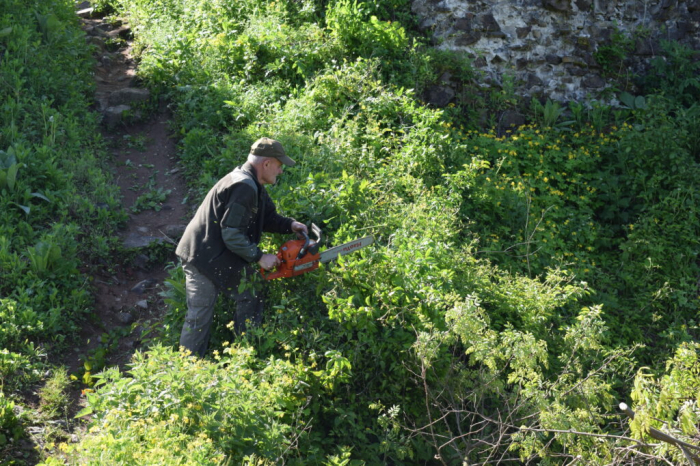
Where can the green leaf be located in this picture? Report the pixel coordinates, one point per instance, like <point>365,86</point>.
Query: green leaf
<point>12,176</point>
<point>6,31</point>
<point>23,207</point>
<point>41,196</point>
<point>627,99</point>
<point>640,102</point>
<point>84,412</point>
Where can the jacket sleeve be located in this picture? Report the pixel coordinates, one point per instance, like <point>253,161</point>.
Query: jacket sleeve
<point>239,213</point>
<point>274,222</point>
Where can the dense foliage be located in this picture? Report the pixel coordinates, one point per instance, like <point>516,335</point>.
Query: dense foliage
<point>57,205</point>
<point>520,286</point>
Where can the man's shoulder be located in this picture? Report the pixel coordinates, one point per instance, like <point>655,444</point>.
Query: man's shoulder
<point>237,179</point>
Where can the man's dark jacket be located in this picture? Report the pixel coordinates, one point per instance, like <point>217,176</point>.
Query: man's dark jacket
<point>222,238</point>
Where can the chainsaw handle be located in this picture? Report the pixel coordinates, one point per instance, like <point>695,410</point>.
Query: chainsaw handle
<point>307,241</point>
<point>316,231</point>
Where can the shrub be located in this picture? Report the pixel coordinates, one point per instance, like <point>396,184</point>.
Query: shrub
<point>675,73</point>
<point>10,425</point>
<point>170,402</point>
<point>669,402</point>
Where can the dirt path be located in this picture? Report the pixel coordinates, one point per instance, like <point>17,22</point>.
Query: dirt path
<point>143,160</point>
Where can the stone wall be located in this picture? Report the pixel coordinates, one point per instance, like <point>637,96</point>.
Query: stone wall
<point>548,46</point>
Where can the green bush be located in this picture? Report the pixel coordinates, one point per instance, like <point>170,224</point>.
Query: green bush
<point>173,408</point>
<point>614,208</point>
<point>669,402</point>
<point>675,73</point>
<point>11,428</point>
<point>359,33</point>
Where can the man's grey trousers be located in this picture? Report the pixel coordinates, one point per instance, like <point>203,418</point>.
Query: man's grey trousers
<point>201,298</point>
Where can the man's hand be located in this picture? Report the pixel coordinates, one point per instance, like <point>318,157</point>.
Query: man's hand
<point>269,261</point>
<point>298,228</point>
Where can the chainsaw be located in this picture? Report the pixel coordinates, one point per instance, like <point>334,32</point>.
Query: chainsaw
<point>299,256</point>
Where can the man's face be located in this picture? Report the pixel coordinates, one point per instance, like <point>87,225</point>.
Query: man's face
<point>272,168</point>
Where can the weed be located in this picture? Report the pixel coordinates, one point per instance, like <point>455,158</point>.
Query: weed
<point>54,397</point>
<point>8,170</point>
<point>152,199</point>
<point>675,73</point>
<point>113,44</point>
<point>611,56</point>
<point>96,359</point>
<point>11,428</point>
<point>138,142</point>
<point>548,115</point>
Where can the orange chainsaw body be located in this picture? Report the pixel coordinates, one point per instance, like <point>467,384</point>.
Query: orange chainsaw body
<point>298,256</point>
<point>290,260</point>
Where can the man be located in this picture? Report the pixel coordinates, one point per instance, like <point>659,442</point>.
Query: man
<point>220,245</point>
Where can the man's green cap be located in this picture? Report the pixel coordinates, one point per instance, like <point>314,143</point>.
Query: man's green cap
<point>266,147</point>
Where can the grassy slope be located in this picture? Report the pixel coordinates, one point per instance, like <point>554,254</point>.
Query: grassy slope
<point>472,304</point>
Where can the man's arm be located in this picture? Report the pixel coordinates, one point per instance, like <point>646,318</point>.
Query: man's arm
<point>238,243</point>
<point>236,218</point>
